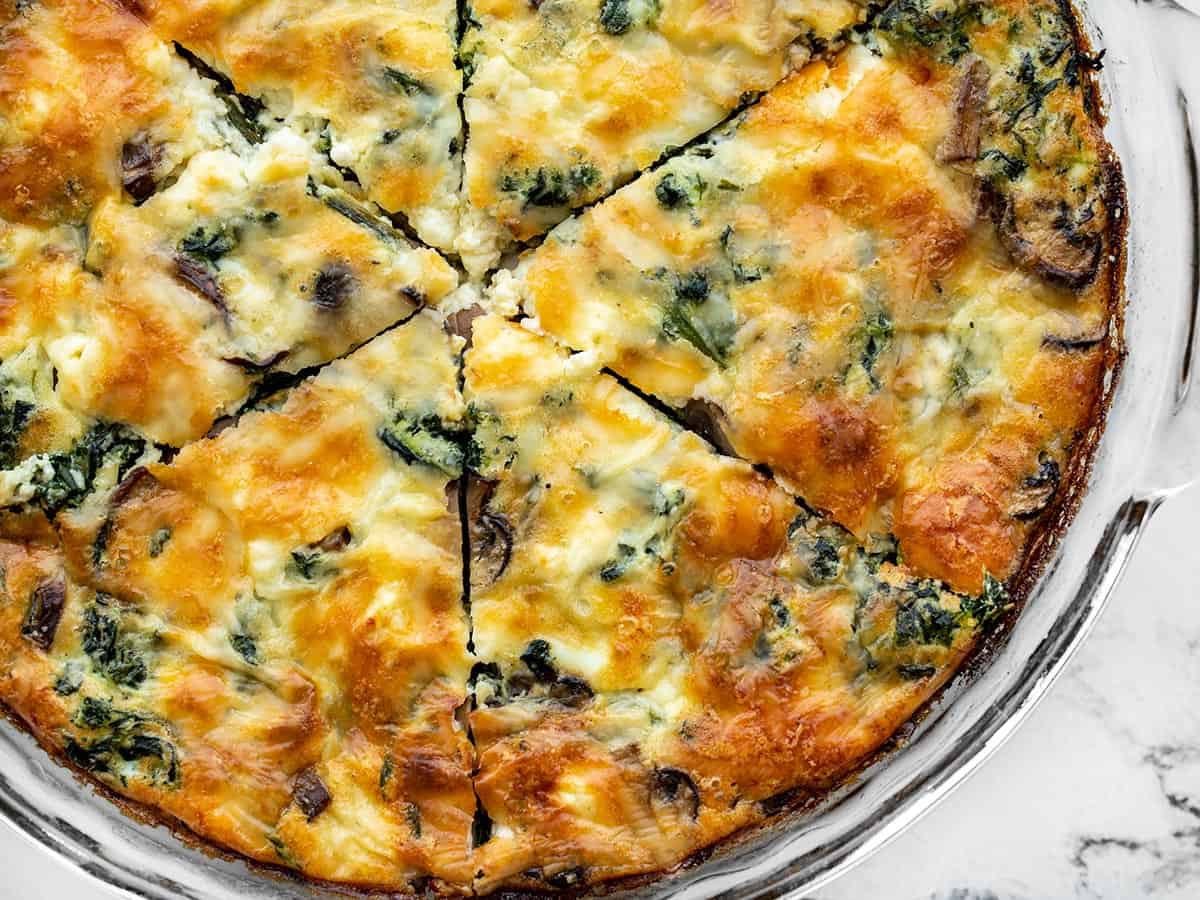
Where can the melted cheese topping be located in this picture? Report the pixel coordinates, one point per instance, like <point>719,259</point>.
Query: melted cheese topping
<point>568,99</point>
<point>374,83</point>
<point>174,309</point>
<point>279,603</point>
<point>816,273</point>
<point>360,568</point>
<point>673,641</point>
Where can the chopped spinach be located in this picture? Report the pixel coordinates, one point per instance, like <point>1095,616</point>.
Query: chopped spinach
<point>694,314</point>
<point>309,564</point>
<point>118,653</point>
<point>212,242</point>
<point>988,605</point>
<point>401,82</point>
<point>617,566</point>
<point>425,439</point>
<point>743,271</point>
<point>873,338</point>
<point>619,16</point>
<point>489,447</point>
<point>817,546</point>
<point>69,680</point>
<point>72,474</point>
<point>674,191</point>
<point>943,27</point>
<point>1011,167</point>
<point>245,646</point>
<point>14,419</point>
<point>923,620</point>
<point>549,187</point>
<point>358,213</point>
<point>131,744</point>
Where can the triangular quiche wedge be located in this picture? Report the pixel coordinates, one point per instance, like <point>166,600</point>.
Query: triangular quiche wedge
<point>374,84</point>
<point>265,637</point>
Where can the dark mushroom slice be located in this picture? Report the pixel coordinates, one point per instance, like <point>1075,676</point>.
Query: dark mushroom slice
<point>460,322</point>
<point>1077,343</point>
<point>707,420</point>
<point>1042,240</point>
<point>138,477</point>
<point>197,276</point>
<point>961,143</point>
<point>139,161</point>
<point>571,690</point>
<point>310,793</point>
<point>257,365</point>
<point>220,424</point>
<point>491,537</point>
<point>1035,491</point>
<point>336,540</point>
<point>334,285</point>
<point>672,785</point>
<point>46,604</point>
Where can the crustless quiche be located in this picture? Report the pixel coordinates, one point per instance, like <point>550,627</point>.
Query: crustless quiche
<point>517,445</point>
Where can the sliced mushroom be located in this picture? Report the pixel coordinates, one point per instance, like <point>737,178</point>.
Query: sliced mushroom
<point>196,276</point>
<point>1035,491</point>
<point>571,690</point>
<point>138,477</point>
<point>310,793</point>
<point>676,786</point>
<point>460,322</point>
<point>45,610</point>
<point>567,878</point>
<point>961,143</point>
<point>338,539</point>
<point>333,286</point>
<point>1076,343</point>
<point>139,160</point>
<point>257,365</point>
<point>708,420</point>
<point>490,534</point>
<point>1042,240</point>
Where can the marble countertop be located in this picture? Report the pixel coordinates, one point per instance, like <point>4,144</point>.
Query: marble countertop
<point>1096,797</point>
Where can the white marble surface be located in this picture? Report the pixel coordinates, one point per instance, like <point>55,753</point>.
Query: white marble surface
<point>1097,796</point>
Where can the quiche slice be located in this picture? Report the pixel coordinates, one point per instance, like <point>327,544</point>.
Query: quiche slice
<point>265,638</point>
<point>848,287</point>
<point>567,99</point>
<point>373,83</point>
<point>669,645</point>
<point>163,317</point>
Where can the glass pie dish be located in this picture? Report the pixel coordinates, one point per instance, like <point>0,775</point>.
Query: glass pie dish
<point>1150,449</point>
